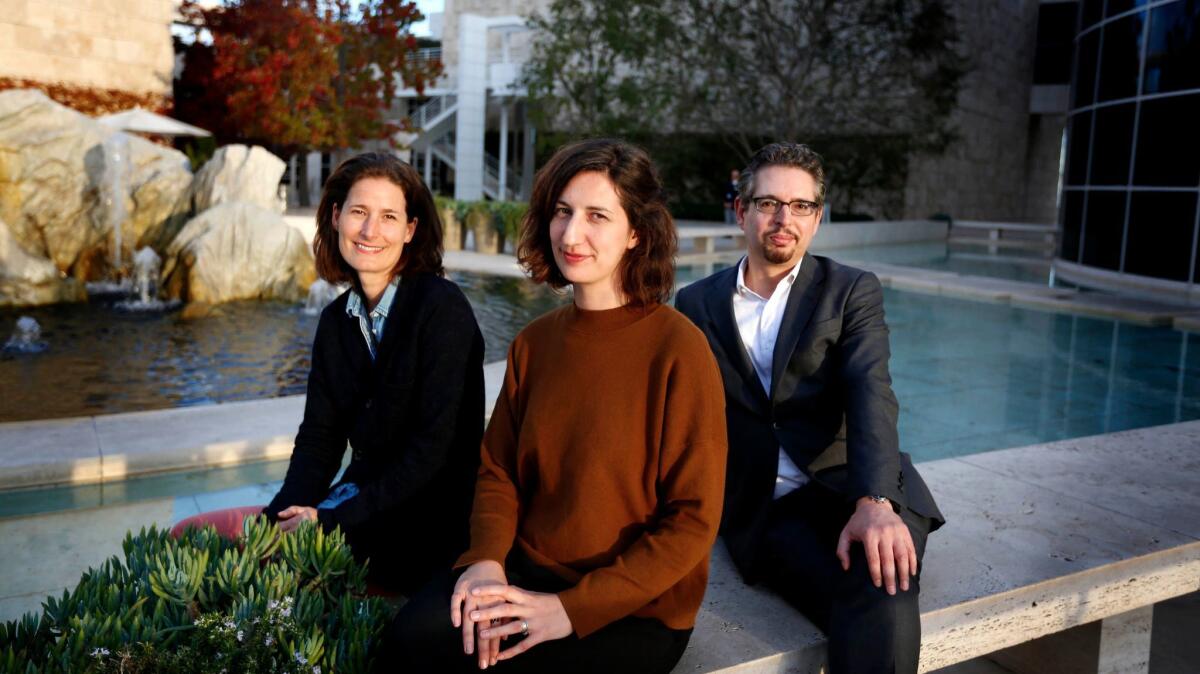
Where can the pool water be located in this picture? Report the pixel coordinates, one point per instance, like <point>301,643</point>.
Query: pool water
<point>103,361</point>
<point>970,377</point>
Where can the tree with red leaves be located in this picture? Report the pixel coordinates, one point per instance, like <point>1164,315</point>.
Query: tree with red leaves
<point>299,75</point>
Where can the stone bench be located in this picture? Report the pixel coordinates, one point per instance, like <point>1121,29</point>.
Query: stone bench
<point>1039,540</point>
<point>704,237</point>
<point>1000,235</point>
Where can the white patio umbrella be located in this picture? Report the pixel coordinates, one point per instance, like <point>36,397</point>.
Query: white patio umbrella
<point>144,121</point>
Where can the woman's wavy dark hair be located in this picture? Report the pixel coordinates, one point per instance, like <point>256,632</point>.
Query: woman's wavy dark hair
<point>647,271</point>
<point>422,254</point>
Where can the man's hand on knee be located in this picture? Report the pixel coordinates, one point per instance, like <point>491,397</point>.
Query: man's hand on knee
<point>886,541</point>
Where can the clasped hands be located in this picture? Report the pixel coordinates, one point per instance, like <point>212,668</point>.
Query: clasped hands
<point>891,555</point>
<point>489,610</point>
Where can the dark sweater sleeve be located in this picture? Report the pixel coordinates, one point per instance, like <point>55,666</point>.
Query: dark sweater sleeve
<point>450,354</point>
<point>321,440</point>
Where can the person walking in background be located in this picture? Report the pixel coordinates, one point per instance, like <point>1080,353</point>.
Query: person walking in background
<point>819,503</point>
<point>599,490</point>
<point>730,197</point>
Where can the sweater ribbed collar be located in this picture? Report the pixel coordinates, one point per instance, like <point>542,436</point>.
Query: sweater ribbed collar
<point>606,320</point>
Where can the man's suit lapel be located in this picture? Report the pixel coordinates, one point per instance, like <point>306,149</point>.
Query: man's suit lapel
<point>720,308</point>
<point>796,316</point>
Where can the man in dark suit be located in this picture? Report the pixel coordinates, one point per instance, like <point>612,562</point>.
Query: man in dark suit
<point>820,504</point>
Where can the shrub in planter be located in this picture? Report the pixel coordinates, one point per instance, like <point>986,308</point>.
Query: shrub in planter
<point>507,216</point>
<point>481,222</point>
<point>452,229</point>
<point>201,603</point>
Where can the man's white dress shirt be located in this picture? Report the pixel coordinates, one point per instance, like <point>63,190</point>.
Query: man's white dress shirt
<point>758,320</point>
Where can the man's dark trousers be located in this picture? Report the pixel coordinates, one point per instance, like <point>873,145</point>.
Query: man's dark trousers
<point>869,630</point>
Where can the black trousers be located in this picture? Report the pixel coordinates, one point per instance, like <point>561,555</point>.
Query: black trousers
<point>421,638</point>
<point>869,630</point>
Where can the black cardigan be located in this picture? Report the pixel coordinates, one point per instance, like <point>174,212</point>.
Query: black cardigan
<point>413,419</point>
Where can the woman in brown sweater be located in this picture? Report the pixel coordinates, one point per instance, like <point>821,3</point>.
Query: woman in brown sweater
<point>602,469</point>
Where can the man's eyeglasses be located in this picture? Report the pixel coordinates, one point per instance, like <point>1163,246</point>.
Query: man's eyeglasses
<point>799,207</point>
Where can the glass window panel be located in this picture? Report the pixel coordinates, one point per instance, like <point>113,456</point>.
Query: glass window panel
<point>1161,226</point>
<point>1072,221</point>
<point>1168,144</point>
<point>1120,56</point>
<point>1077,148</point>
<point>1112,144</point>
<point>1085,68</point>
<point>1173,53</point>
<point>1115,7</point>
<point>1105,219</point>
<point>1091,12</point>
<point>1055,29</point>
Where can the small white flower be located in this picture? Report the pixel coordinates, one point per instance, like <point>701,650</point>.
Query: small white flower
<point>301,659</point>
<point>99,652</point>
<point>268,641</point>
<point>240,635</point>
<point>316,669</point>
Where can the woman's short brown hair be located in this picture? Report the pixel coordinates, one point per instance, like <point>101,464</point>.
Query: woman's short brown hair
<point>422,254</point>
<point>647,271</point>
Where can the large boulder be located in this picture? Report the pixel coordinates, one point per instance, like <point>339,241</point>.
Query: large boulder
<point>238,251</point>
<point>55,170</point>
<point>27,280</point>
<point>238,173</point>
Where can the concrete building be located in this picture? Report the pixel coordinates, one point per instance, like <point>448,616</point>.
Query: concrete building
<point>1010,117</point>
<point>474,126</point>
<point>91,43</point>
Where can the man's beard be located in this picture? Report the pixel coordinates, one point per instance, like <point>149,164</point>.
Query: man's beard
<point>777,254</point>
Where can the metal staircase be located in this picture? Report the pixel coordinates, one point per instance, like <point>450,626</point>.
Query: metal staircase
<point>434,124</point>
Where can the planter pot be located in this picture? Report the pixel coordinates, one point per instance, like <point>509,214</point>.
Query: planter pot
<point>487,238</point>
<point>452,231</point>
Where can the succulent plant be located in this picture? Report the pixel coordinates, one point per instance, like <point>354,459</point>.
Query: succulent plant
<point>266,602</point>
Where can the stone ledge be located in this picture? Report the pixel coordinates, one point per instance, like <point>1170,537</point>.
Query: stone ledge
<point>1025,553</point>
<point>112,447</point>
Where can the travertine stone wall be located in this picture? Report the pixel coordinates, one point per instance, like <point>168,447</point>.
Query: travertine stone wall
<point>1005,165</point>
<point>109,44</point>
<point>519,43</point>
<point>1041,168</point>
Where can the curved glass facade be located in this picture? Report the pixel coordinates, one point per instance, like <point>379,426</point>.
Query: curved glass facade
<point>1131,184</point>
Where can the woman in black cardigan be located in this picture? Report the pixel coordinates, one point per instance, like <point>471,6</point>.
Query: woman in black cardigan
<point>397,371</point>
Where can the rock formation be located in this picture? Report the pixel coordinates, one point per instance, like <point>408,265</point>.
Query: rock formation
<point>238,251</point>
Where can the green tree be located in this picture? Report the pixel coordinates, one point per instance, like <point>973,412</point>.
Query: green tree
<point>867,82</point>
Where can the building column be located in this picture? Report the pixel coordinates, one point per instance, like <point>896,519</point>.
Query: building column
<point>527,159</point>
<point>472,106</point>
<point>503,149</point>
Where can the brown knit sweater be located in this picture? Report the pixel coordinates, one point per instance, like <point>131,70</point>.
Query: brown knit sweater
<point>605,462</point>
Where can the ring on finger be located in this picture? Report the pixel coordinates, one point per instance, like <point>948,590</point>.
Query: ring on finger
<point>524,628</point>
